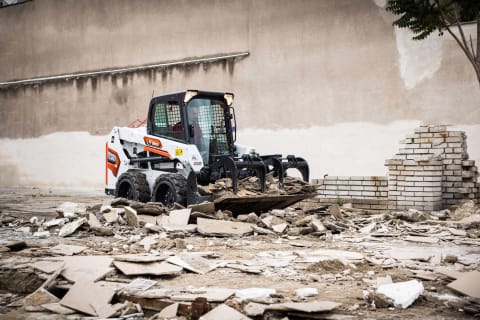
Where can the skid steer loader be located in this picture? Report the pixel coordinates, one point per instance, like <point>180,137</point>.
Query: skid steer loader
<point>189,139</point>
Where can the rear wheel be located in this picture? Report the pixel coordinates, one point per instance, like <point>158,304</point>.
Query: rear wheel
<point>133,185</point>
<point>170,188</point>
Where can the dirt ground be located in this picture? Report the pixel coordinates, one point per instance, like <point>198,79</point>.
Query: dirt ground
<point>286,262</point>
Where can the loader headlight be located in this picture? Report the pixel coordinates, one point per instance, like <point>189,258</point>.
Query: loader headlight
<point>189,94</point>
<point>111,158</point>
<point>229,98</point>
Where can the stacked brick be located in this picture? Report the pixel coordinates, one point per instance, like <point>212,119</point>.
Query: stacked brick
<point>369,193</point>
<point>431,170</point>
<point>353,187</point>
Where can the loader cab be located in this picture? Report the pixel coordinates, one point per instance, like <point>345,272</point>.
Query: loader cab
<point>195,117</point>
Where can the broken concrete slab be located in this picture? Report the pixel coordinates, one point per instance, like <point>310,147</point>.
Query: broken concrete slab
<point>39,297</point>
<point>168,312</point>
<point>55,222</point>
<point>143,218</point>
<point>244,268</point>
<point>329,254</point>
<point>112,216</point>
<point>219,228</point>
<point>279,228</point>
<point>78,268</point>
<point>422,239</point>
<point>303,293</point>
<point>254,309</point>
<point>47,266</point>
<point>67,249</point>
<point>71,227</point>
<point>153,268</point>
<point>131,216</point>
<point>224,312</point>
<point>71,209</point>
<point>305,307</point>
<point>57,308</point>
<point>254,293</point>
<point>179,217</point>
<point>204,207</point>
<point>457,232</point>
<point>449,272</point>
<point>139,258</point>
<point>214,295</point>
<point>261,230</point>
<point>93,221</point>
<point>467,283</point>
<point>317,225</point>
<point>140,284</point>
<point>368,228</point>
<point>402,294</point>
<point>409,254</point>
<point>193,262</point>
<point>102,231</point>
<point>84,294</point>
<point>148,241</point>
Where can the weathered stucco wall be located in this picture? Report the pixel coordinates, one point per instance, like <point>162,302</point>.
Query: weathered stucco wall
<point>314,66</point>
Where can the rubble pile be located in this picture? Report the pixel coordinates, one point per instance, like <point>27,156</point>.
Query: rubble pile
<point>124,259</point>
<point>251,186</point>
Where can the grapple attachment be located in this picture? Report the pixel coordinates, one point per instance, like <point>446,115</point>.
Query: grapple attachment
<point>279,166</point>
<point>259,166</point>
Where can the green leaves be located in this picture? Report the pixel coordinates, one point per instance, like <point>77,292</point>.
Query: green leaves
<point>425,16</point>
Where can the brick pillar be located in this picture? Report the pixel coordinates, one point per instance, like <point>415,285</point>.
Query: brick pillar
<point>431,170</point>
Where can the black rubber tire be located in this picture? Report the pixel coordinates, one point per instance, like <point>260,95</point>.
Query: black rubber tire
<point>170,188</point>
<point>133,185</point>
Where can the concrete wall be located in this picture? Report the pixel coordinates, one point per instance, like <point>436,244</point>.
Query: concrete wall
<point>330,66</point>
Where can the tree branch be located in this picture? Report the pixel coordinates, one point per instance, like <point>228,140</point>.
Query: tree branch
<point>462,45</point>
<point>478,37</point>
<point>473,51</point>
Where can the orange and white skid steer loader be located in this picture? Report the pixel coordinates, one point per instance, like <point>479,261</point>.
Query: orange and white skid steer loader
<point>189,139</point>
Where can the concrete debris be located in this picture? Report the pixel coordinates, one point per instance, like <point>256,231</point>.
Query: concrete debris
<point>89,298</point>
<point>179,217</point>
<point>55,222</point>
<point>37,298</point>
<point>205,207</point>
<point>169,312</point>
<point>192,262</point>
<point>310,249</point>
<point>254,309</point>
<point>41,234</point>
<point>131,216</point>
<point>67,249</point>
<point>71,227</point>
<point>224,312</point>
<point>467,284</point>
<point>303,293</point>
<point>56,307</point>
<point>402,294</point>
<point>112,215</point>
<point>152,268</point>
<point>465,210</point>
<point>140,284</point>
<point>71,210</point>
<point>217,228</point>
<point>305,307</point>
<point>214,295</point>
<point>78,268</point>
<point>254,293</point>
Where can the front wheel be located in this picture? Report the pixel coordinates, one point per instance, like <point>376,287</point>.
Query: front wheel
<point>133,185</point>
<point>170,188</point>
